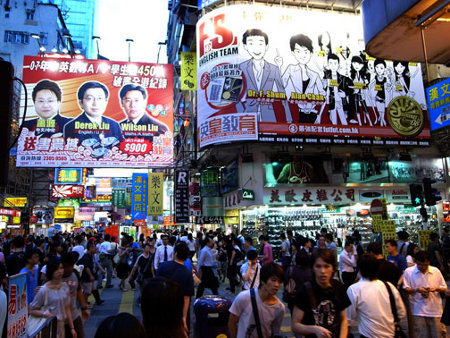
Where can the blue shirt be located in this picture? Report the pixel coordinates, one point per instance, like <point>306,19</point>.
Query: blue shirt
<point>32,282</point>
<point>399,261</point>
<point>188,264</point>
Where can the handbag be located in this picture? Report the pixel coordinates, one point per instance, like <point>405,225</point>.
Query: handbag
<point>398,333</point>
<point>116,259</point>
<point>256,316</point>
<point>35,323</point>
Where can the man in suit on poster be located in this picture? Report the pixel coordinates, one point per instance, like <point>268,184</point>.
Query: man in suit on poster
<point>138,123</point>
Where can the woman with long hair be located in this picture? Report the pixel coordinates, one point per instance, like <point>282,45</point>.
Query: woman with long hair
<point>359,76</point>
<point>53,299</point>
<point>402,78</point>
<point>162,309</point>
<point>123,267</point>
<point>319,306</point>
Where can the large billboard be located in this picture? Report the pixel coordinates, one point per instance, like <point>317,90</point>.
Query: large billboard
<point>289,75</point>
<point>95,113</point>
<point>438,96</point>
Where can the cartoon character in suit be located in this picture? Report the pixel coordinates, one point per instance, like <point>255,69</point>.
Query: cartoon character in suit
<point>47,97</point>
<point>301,78</point>
<point>260,76</point>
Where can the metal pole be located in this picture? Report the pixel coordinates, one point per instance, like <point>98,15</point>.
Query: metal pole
<point>422,33</point>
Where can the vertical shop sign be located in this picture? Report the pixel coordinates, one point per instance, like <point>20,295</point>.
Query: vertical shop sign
<point>438,97</point>
<point>17,306</point>
<point>139,196</point>
<point>424,239</point>
<point>188,71</point>
<point>118,197</point>
<point>155,194</point>
<point>182,196</point>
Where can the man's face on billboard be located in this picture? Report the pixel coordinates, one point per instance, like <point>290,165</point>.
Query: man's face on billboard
<point>46,104</point>
<point>94,102</point>
<point>256,47</point>
<point>133,104</point>
<point>301,54</point>
<point>333,65</point>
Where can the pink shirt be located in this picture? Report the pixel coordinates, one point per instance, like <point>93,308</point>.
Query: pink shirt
<point>268,253</point>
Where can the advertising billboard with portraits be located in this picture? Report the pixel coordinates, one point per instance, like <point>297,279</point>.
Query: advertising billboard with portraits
<point>96,113</point>
<point>276,74</point>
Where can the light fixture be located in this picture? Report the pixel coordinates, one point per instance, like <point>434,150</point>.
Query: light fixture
<point>160,44</point>
<point>65,50</point>
<point>129,41</point>
<point>96,38</point>
<point>77,51</point>
<point>35,36</point>
<point>54,50</point>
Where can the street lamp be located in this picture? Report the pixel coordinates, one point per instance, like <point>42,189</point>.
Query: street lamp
<point>129,41</point>
<point>37,37</point>
<point>96,38</point>
<point>160,44</point>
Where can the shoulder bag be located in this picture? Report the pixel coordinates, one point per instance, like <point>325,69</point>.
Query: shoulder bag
<point>398,330</point>
<point>140,276</point>
<point>256,316</point>
<point>35,323</point>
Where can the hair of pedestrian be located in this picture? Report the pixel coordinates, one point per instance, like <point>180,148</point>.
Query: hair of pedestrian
<point>249,240</point>
<point>181,250</point>
<point>375,248</point>
<point>410,250</point>
<point>2,272</point>
<point>69,258</point>
<point>162,308</point>
<point>392,242</point>
<point>422,256</point>
<point>30,252</point>
<point>283,236</point>
<point>326,255</point>
<point>368,266</point>
<point>329,237</point>
<point>252,254</point>
<point>90,244</point>
<point>270,270</point>
<point>108,237</point>
<point>433,236</point>
<point>347,244</point>
<point>52,266</point>
<point>302,260</point>
<point>402,235</point>
<point>122,325</point>
<point>18,242</point>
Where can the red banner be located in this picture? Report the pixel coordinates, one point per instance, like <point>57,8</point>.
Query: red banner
<point>67,191</point>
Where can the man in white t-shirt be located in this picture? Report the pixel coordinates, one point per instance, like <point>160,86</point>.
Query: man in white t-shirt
<point>105,254</point>
<point>270,309</point>
<point>251,270</point>
<point>79,247</point>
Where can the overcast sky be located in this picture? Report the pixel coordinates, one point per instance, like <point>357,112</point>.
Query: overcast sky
<point>144,21</point>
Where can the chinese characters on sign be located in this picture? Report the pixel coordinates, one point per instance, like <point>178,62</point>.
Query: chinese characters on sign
<point>67,191</point>
<point>181,196</point>
<point>302,83</point>
<point>155,194</point>
<point>17,306</point>
<point>438,96</point>
<point>188,71</point>
<point>310,195</point>
<point>69,175</point>
<point>139,194</point>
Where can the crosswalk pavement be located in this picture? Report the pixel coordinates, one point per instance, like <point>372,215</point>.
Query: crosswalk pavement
<point>117,301</point>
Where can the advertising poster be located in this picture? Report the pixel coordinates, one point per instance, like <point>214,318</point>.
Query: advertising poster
<point>96,113</point>
<point>67,191</point>
<point>70,175</point>
<point>139,195</point>
<point>188,71</point>
<point>17,306</point>
<point>155,194</point>
<point>438,96</point>
<point>182,196</point>
<point>288,75</point>
<point>64,214</point>
<point>18,202</point>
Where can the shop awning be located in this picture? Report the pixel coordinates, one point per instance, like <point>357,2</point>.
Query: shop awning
<point>393,29</point>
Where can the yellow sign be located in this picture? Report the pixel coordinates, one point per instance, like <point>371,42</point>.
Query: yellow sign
<point>64,213</point>
<point>19,202</point>
<point>155,194</point>
<point>387,232</point>
<point>424,239</point>
<point>16,220</point>
<point>377,220</point>
<point>188,71</point>
<point>405,116</point>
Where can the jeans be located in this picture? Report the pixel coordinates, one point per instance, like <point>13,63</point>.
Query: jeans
<point>107,265</point>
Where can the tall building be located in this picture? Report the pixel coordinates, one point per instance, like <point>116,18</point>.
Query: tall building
<point>79,17</point>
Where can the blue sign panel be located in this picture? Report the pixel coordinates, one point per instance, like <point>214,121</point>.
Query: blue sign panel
<point>139,195</point>
<point>438,97</point>
<point>205,3</point>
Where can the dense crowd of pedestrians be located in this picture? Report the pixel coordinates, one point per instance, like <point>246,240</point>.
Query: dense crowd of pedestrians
<point>327,294</point>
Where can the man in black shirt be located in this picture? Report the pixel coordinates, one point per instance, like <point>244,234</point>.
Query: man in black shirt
<point>177,271</point>
<point>15,261</point>
<point>387,271</point>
